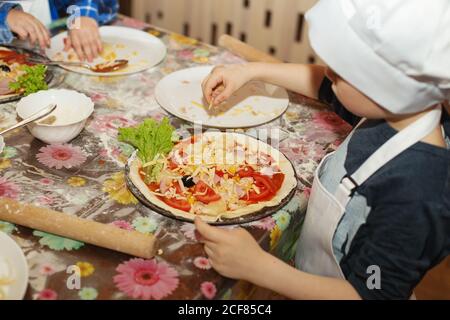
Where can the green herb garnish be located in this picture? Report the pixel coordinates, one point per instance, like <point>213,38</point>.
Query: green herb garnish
<point>153,141</point>
<point>32,81</point>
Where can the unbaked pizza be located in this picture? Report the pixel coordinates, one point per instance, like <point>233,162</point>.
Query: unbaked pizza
<point>19,76</point>
<point>216,176</point>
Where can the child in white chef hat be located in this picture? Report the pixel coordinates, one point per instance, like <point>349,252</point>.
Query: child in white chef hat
<point>29,19</point>
<point>379,214</point>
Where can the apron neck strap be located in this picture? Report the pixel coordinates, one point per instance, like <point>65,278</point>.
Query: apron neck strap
<point>388,151</point>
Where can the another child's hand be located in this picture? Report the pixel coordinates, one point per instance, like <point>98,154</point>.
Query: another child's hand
<point>28,28</point>
<point>223,81</point>
<point>85,39</point>
<point>232,253</point>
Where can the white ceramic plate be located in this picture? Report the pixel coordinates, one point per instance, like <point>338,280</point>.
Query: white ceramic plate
<point>141,49</point>
<point>12,257</point>
<point>180,94</point>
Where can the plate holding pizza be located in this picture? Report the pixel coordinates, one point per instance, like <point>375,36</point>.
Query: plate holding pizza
<point>224,178</point>
<point>18,76</point>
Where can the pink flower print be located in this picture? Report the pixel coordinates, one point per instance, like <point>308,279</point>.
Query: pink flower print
<point>46,269</point>
<point>47,181</point>
<point>208,289</point>
<point>265,224</point>
<point>146,279</point>
<point>110,124</point>
<point>329,120</point>
<point>202,263</point>
<point>45,200</point>
<point>8,189</point>
<point>185,54</point>
<point>122,225</point>
<point>97,97</point>
<point>61,156</point>
<point>188,230</point>
<point>47,294</point>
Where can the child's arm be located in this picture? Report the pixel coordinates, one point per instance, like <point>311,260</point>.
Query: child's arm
<point>6,35</point>
<point>103,12</point>
<point>84,36</point>
<point>13,19</point>
<point>225,80</point>
<point>235,254</point>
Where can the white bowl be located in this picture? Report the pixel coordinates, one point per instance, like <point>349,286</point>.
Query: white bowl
<point>72,111</point>
<point>15,260</point>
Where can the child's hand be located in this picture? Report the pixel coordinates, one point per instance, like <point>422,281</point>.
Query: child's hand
<point>85,40</point>
<point>28,27</point>
<point>232,253</point>
<point>223,81</point>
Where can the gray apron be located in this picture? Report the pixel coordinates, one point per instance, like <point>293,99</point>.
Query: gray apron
<point>325,210</point>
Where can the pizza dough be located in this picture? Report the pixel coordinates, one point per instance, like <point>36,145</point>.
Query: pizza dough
<point>289,183</point>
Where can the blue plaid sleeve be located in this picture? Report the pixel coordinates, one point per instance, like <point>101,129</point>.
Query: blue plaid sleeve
<point>6,35</point>
<point>103,11</point>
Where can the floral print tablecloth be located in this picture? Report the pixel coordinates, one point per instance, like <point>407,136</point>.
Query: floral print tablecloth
<point>86,178</point>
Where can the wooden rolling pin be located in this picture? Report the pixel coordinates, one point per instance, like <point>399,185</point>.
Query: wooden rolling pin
<point>103,235</point>
<point>245,51</point>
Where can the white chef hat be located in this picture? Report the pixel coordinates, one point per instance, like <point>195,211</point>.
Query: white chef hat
<point>397,52</point>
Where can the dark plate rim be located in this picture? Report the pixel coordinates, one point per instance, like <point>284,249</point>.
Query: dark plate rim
<point>48,75</point>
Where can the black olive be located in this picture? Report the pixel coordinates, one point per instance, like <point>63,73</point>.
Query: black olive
<point>188,181</point>
<point>5,68</point>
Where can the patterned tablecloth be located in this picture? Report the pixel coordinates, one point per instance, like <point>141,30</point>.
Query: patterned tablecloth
<point>86,178</point>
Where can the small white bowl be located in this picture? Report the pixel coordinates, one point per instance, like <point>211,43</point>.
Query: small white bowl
<point>72,111</point>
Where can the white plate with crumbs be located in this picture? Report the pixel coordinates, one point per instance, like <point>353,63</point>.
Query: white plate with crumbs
<point>13,269</point>
<point>180,93</point>
<point>142,50</point>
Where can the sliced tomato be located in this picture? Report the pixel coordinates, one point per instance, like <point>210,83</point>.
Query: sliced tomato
<point>246,172</point>
<point>277,180</point>
<point>266,187</point>
<point>172,165</point>
<point>176,185</point>
<point>220,173</point>
<point>204,193</point>
<point>254,197</point>
<point>153,186</point>
<point>265,181</point>
<point>179,204</point>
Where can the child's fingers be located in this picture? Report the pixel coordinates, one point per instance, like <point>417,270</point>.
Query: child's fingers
<point>21,32</point>
<point>32,35</point>
<point>88,50</point>
<point>46,35</point>
<point>76,44</point>
<point>211,234</point>
<point>209,252</point>
<point>212,84</point>
<point>96,45</point>
<point>98,41</point>
<point>40,35</point>
<point>224,94</point>
<point>67,44</point>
